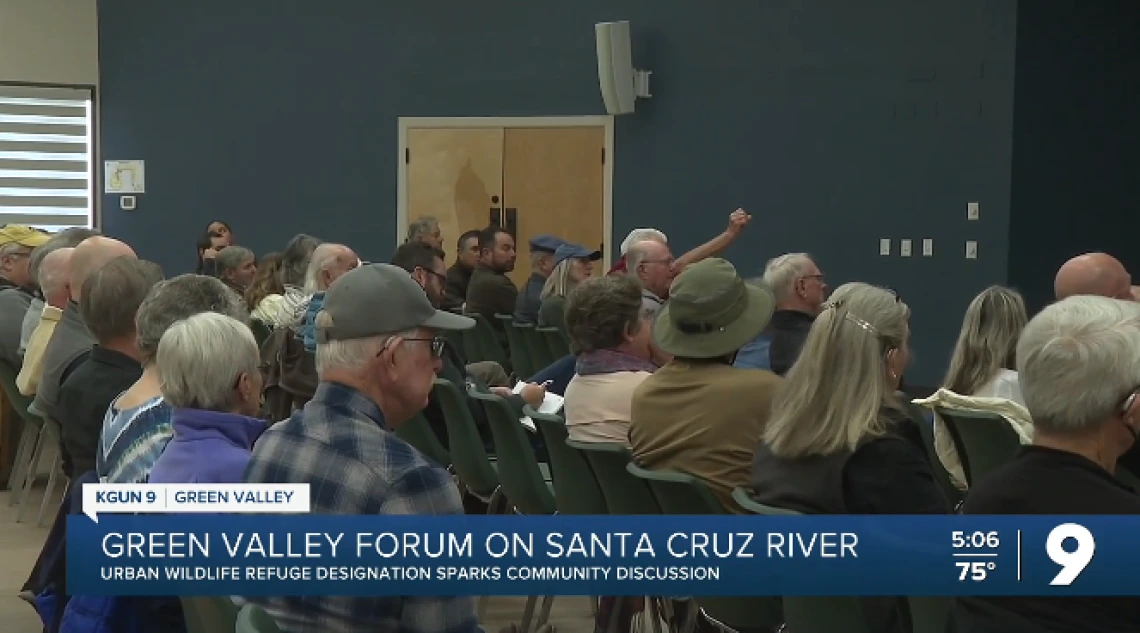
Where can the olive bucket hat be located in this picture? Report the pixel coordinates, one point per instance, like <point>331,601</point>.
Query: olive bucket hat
<point>711,312</point>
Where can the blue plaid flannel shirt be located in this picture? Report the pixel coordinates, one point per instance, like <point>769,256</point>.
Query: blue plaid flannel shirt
<point>339,445</point>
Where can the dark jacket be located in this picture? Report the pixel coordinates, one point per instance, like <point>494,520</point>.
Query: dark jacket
<point>529,302</point>
<point>83,400</point>
<point>490,293</point>
<point>553,313</point>
<point>209,447</point>
<point>455,292</point>
<point>789,330</point>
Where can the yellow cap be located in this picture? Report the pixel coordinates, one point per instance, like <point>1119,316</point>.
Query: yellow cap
<point>22,235</point>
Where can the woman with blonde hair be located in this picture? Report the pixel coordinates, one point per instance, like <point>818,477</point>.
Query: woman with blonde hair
<point>572,265</point>
<point>838,441</point>
<point>838,421</point>
<point>983,375</point>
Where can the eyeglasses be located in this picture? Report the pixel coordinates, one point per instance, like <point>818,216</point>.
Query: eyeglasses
<point>437,344</point>
<point>438,276</point>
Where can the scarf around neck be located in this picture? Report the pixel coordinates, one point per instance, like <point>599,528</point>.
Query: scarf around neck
<point>608,361</point>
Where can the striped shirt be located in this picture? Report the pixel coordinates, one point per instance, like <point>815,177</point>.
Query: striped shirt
<point>340,445</point>
<point>131,441</point>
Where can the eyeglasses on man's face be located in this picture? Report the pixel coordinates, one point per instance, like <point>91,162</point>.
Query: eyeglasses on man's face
<point>437,344</point>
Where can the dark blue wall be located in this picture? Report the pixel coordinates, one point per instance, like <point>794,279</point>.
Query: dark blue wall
<point>1076,156</point>
<point>835,124</point>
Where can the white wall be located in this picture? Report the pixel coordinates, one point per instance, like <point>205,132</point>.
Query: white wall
<point>49,41</point>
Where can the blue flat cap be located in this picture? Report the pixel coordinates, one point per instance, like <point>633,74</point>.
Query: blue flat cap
<point>575,251</point>
<point>546,243</point>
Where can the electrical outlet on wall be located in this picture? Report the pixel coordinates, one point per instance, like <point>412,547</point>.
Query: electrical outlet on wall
<point>927,247</point>
<point>904,248</point>
<point>885,246</point>
<point>971,249</point>
<point>972,211</point>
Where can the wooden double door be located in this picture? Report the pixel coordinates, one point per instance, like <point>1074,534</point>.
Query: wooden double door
<point>530,180</point>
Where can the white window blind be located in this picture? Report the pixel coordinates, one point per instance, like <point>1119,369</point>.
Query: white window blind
<point>46,160</point>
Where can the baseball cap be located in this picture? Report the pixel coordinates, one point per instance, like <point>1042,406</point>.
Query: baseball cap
<point>379,299</point>
<point>22,235</point>
<point>546,243</point>
<point>575,251</point>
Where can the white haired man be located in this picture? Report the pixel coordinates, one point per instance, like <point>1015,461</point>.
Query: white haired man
<point>378,350</point>
<point>329,262</point>
<point>737,220</point>
<point>800,291</point>
<point>1078,364</point>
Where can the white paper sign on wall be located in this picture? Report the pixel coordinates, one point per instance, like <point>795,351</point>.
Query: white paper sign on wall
<point>124,177</point>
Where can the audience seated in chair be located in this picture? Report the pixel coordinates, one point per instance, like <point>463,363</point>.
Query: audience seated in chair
<point>111,298</point>
<point>459,275</point>
<point>237,266</point>
<point>982,375</point>
<point>51,264</point>
<point>737,220</point>
<point>800,291</point>
<point>838,441</point>
<point>17,285</point>
<point>572,265</point>
<point>284,310</point>
<point>1078,364</point>
<point>328,263</point>
<point>710,315</point>
<point>610,333</point>
<point>378,348</point>
<point>529,301</point>
<point>207,370</point>
<point>491,291</point>
<point>426,268</point>
<point>136,427</point>
<point>71,341</point>
<point>265,283</point>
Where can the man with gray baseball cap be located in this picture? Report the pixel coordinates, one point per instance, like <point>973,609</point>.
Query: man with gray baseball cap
<point>377,354</point>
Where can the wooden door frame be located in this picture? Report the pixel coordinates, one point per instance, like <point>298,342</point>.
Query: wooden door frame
<point>605,122</point>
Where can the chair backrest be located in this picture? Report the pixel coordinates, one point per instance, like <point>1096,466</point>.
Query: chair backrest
<point>519,473</point>
<point>536,344</point>
<point>520,354</point>
<point>486,342</point>
<point>926,429</point>
<point>19,401</point>
<point>677,492</point>
<point>824,615</point>
<point>983,441</point>
<point>419,433</point>
<point>744,499</point>
<point>624,493</point>
<point>929,614</point>
<point>576,489</point>
<point>555,341</point>
<point>467,453</point>
<point>254,619</point>
<point>208,614</point>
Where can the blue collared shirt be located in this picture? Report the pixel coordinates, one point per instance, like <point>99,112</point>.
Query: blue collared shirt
<point>340,445</point>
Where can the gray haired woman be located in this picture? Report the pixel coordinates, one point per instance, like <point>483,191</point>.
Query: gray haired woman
<point>207,367</point>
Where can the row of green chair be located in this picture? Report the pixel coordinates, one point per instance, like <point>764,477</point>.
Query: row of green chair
<point>218,614</point>
<point>533,348</point>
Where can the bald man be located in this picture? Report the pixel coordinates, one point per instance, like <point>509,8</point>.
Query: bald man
<point>71,342</point>
<point>1096,274</point>
<point>54,279</point>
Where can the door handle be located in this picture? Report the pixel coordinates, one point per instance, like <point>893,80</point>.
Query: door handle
<point>511,221</point>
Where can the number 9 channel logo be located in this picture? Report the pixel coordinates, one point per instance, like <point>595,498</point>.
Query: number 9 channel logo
<point>1072,562</point>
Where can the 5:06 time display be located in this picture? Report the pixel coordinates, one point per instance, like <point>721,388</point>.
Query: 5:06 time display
<point>975,540</point>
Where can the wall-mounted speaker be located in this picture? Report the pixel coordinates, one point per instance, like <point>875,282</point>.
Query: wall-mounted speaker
<point>621,84</point>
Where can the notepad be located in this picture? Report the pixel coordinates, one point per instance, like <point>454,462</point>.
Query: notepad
<point>551,404</point>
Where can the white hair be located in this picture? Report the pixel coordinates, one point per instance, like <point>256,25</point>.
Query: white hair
<point>323,257</point>
<point>1077,361</point>
<point>201,358</point>
<point>642,235</point>
<point>782,272</point>
<point>349,353</point>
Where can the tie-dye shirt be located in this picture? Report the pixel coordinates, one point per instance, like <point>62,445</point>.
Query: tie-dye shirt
<point>131,441</point>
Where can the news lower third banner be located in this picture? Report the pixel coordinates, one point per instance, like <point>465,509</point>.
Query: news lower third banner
<point>306,554</point>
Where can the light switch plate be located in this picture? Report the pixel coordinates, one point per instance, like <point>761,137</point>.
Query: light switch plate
<point>904,248</point>
<point>885,246</point>
<point>972,211</point>
<point>971,249</point>
<point>928,247</point>
<point>127,203</point>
